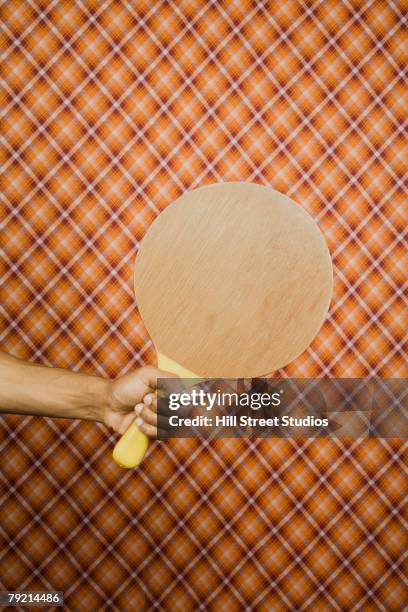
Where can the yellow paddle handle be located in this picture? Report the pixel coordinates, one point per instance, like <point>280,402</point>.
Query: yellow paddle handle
<point>132,446</point>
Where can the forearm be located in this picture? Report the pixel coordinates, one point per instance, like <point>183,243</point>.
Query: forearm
<point>27,388</point>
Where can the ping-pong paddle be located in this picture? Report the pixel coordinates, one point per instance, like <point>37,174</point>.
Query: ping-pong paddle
<point>232,280</point>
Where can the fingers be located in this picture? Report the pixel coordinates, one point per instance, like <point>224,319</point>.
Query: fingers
<point>146,414</point>
<point>125,422</point>
<point>148,421</point>
<point>138,386</point>
<point>146,428</point>
<point>150,400</point>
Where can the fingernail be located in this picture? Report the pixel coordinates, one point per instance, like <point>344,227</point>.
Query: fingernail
<point>148,399</point>
<point>139,408</point>
<point>138,422</point>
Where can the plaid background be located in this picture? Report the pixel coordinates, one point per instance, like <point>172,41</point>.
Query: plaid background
<point>111,109</point>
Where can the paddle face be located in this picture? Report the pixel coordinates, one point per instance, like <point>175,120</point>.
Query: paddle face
<point>232,280</point>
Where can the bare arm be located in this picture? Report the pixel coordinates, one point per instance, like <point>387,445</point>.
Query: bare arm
<point>27,388</point>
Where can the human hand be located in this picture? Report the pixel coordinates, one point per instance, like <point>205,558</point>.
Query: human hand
<point>132,397</point>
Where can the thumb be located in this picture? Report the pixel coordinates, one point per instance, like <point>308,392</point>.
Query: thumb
<point>126,422</point>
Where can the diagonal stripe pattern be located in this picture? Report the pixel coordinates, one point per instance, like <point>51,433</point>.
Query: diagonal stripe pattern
<point>110,110</point>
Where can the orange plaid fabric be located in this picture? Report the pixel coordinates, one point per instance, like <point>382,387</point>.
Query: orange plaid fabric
<point>111,109</point>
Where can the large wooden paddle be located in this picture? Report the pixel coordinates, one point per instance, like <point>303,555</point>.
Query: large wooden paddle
<point>232,280</point>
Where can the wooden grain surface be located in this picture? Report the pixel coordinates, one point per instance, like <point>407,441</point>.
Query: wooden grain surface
<point>233,280</point>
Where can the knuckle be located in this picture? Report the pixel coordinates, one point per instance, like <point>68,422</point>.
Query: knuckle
<point>149,369</point>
